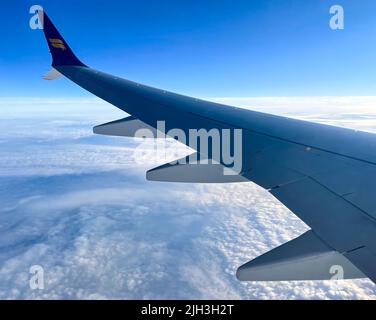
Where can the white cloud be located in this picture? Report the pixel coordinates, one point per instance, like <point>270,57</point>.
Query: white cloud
<point>330,105</point>
<point>80,206</point>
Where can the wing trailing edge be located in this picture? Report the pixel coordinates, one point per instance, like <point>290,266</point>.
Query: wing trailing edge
<point>304,258</point>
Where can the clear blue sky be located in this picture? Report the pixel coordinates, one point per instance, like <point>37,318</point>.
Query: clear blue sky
<point>203,48</point>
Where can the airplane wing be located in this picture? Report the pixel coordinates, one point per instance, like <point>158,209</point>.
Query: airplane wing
<point>324,174</point>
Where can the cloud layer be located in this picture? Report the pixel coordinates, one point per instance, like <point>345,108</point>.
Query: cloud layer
<point>79,206</point>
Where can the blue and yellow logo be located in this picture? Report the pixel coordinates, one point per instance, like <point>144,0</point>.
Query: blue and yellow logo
<point>57,43</point>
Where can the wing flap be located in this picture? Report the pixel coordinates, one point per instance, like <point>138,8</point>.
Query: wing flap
<point>128,127</point>
<point>342,225</point>
<point>304,258</point>
<point>365,260</point>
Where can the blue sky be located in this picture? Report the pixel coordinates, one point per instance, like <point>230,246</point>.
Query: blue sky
<point>202,48</point>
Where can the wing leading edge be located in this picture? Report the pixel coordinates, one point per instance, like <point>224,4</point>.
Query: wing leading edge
<point>323,174</point>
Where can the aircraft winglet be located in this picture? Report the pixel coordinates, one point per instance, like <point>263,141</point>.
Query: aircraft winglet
<point>62,55</point>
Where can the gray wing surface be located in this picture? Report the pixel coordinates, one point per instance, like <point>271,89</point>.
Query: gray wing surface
<point>325,175</point>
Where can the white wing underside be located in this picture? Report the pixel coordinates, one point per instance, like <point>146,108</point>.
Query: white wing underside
<point>52,75</point>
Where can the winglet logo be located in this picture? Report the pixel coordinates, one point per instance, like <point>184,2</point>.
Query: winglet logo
<point>57,43</point>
